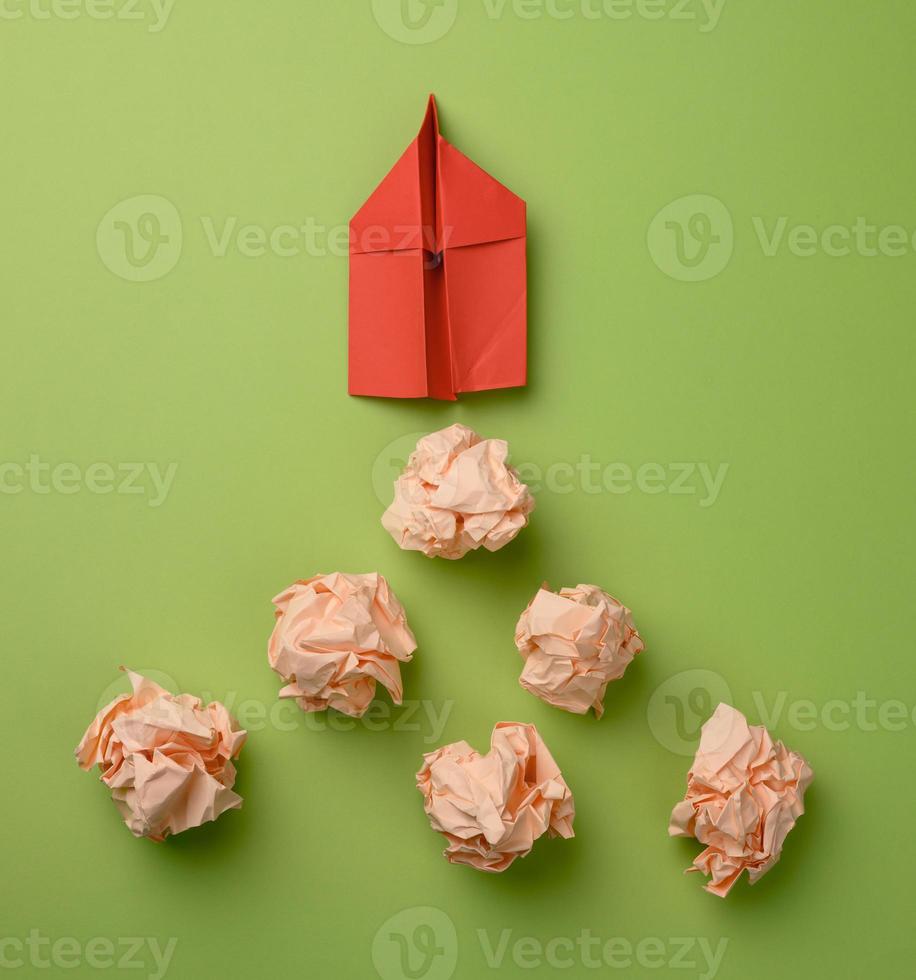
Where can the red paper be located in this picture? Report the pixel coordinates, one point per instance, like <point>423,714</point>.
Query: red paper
<point>438,294</point>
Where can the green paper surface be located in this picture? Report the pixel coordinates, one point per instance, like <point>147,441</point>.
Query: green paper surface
<point>718,425</point>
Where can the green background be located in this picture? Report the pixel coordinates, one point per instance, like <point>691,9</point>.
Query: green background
<point>795,371</point>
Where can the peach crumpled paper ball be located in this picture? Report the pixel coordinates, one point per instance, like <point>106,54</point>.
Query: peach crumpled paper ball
<point>166,758</point>
<point>492,808</point>
<point>575,643</point>
<point>457,494</point>
<point>744,794</point>
<point>335,636</point>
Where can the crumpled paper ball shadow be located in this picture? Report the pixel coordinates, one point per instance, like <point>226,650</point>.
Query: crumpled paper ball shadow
<point>492,808</point>
<point>744,794</point>
<point>336,636</point>
<point>166,758</point>
<point>457,494</point>
<point>574,644</point>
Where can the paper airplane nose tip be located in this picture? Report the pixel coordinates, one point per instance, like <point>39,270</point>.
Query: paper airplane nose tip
<point>432,112</point>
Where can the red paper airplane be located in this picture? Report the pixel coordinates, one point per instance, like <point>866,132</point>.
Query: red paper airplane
<point>438,295</point>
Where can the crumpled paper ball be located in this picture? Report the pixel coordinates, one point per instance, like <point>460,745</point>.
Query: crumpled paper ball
<point>457,494</point>
<point>492,808</point>
<point>335,636</point>
<point>166,758</point>
<point>574,644</point>
<point>744,794</point>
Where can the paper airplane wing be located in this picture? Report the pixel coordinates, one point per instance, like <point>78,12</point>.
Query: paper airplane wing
<point>387,318</point>
<point>485,274</point>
